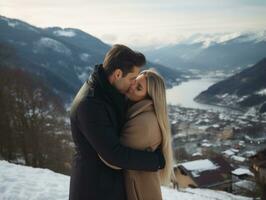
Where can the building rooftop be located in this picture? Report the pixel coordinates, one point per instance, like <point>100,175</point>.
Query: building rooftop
<point>208,172</point>
<point>242,171</point>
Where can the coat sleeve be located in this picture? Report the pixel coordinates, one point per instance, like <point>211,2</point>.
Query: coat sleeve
<point>95,124</point>
<point>109,165</point>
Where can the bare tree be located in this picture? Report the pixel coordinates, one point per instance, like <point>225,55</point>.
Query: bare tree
<point>33,123</point>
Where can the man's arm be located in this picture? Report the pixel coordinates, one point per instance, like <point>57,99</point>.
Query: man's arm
<point>96,126</point>
<point>109,165</point>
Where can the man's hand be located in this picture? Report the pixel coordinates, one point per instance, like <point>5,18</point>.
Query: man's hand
<point>161,159</point>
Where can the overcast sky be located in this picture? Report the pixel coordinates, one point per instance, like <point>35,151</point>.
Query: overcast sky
<point>141,22</point>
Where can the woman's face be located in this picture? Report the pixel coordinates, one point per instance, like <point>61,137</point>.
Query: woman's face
<point>138,90</point>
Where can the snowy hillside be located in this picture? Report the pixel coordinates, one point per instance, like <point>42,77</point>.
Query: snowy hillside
<point>27,183</point>
<point>245,90</point>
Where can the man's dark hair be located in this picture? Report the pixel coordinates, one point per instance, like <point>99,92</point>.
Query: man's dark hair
<point>124,58</point>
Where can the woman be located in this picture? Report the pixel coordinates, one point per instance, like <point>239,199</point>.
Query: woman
<point>147,128</point>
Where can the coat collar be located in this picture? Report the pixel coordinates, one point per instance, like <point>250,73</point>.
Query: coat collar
<point>103,89</point>
<point>139,107</point>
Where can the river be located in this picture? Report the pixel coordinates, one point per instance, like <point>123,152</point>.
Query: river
<point>184,93</point>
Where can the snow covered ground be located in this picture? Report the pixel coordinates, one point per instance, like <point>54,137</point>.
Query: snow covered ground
<point>26,183</point>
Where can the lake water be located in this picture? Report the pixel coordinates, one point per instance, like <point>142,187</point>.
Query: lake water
<point>184,93</point>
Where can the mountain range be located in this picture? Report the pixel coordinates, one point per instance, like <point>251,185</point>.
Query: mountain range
<point>212,51</point>
<point>63,58</point>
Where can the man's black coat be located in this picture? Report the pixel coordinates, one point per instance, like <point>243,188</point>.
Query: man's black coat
<point>97,116</point>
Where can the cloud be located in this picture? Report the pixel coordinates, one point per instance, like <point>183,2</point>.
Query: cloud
<point>139,22</point>
<point>109,38</point>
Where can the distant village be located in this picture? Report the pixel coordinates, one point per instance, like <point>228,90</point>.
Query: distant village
<point>219,150</point>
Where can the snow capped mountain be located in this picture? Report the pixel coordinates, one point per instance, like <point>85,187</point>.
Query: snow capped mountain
<point>227,51</point>
<point>208,40</point>
<point>23,183</point>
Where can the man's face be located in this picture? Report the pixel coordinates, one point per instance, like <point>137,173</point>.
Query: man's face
<point>122,84</point>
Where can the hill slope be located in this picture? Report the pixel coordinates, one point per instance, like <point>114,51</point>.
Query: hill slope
<point>243,90</point>
<point>23,183</point>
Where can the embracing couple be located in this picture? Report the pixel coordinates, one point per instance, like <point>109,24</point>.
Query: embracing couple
<point>120,128</point>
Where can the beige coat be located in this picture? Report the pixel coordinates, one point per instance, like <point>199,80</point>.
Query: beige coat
<point>142,132</point>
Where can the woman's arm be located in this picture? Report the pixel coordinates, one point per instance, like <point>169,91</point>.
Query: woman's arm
<point>109,165</point>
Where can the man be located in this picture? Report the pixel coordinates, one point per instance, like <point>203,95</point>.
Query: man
<point>97,117</point>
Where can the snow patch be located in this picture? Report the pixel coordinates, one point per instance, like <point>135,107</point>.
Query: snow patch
<point>84,57</point>
<point>242,171</point>
<point>206,144</point>
<point>83,72</point>
<point>65,33</point>
<point>12,24</point>
<point>261,92</point>
<point>208,40</point>
<point>83,76</point>
<point>249,153</point>
<point>198,194</point>
<point>258,36</point>
<point>242,98</point>
<point>238,158</point>
<point>203,127</point>
<point>246,184</point>
<point>50,43</point>
<point>197,154</point>
<point>22,183</point>
<point>228,152</point>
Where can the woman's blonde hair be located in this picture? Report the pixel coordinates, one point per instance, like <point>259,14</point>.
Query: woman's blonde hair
<point>157,92</point>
